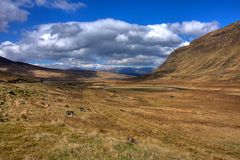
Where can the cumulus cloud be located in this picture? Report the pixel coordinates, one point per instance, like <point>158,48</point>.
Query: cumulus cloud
<point>138,60</point>
<point>102,43</point>
<point>10,12</point>
<point>193,28</point>
<point>16,10</point>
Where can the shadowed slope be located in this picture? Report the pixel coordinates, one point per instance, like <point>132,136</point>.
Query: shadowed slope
<point>24,69</point>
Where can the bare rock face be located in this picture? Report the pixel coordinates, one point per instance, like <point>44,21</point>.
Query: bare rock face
<point>214,56</point>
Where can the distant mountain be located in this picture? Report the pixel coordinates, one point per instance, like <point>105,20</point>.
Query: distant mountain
<point>132,71</point>
<point>214,56</point>
<point>28,70</point>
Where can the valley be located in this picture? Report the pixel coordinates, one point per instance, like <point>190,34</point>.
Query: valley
<point>119,120</point>
<point>187,109</point>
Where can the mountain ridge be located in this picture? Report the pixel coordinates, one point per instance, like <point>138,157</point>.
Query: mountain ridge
<point>214,56</point>
<point>28,70</point>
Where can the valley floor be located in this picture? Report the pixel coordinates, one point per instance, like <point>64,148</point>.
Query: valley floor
<point>143,121</point>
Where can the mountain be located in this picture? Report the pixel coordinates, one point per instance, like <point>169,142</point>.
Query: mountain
<point>13,69</point>
<point>214,56</point>
<point>132,71</point>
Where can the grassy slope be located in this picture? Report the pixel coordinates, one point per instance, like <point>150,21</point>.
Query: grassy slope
<point>213,56</point>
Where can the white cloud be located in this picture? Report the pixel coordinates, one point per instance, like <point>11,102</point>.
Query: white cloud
<point>139,60</point>
<point>102,43</point>
<point>161,32</point>
<point>16,10</point>
<point>10,12</point>
<point>65,5</point>
<point>193,28</point>
<point>9,49</point>
<point>122,38</point>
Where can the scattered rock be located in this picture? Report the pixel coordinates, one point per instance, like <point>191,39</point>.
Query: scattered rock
<point>70,113</point>
<point>171,96</point>
<point>102,131</point>
<point>82,109</point>
<point>132,140</point>
<point>22,102</point>
<point>67,106</point>
<point>11,92</point>
<point>23,116</point>
<point>1,103</point>
<point>3,119</point>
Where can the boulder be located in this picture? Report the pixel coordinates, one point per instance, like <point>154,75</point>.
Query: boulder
<point>132,140</point>
<point>82,109</point>
<point>70,113</point>
<point>11,92</point>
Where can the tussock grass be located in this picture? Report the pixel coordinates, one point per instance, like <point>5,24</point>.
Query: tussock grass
<point>168,122</point>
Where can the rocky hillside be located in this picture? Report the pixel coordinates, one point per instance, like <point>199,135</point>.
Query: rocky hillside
<point>214,56</point>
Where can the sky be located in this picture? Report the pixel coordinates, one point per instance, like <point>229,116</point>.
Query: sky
<point>96,34</point>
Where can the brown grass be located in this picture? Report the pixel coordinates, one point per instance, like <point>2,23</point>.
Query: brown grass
<point>168,120</point>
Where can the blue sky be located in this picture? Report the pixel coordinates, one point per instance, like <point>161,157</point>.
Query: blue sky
<point>204,15</point>
<point>134,11</point>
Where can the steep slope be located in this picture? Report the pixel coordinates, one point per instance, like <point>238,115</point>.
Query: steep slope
<point>215,55</point>
<point>13,69</point>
